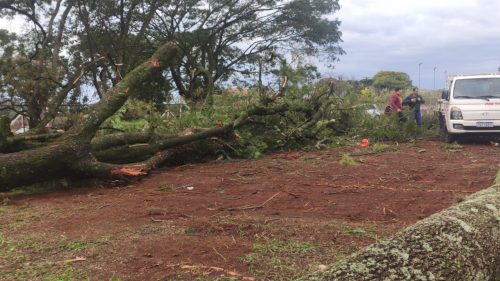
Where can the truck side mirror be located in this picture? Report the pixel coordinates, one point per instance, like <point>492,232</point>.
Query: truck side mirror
<point>445,94</point>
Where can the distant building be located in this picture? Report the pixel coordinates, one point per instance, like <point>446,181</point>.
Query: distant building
<point>19,125</point>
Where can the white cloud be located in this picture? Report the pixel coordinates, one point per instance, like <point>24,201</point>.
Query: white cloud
<point>455,36</point>
<point>12,24</point>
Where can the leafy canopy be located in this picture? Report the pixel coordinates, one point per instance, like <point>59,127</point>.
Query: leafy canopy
<point>391,79</point>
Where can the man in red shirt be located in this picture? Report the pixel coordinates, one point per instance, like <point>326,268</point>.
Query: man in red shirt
<point>396,104</point>
<point>396,100</point>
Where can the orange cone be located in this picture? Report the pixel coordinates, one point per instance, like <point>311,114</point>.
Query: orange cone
<point>364,143</point>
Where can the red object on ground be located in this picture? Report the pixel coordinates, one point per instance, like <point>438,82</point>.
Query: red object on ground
<point>364,143</point>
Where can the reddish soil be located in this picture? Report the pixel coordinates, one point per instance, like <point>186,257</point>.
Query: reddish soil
<point>178,222</point>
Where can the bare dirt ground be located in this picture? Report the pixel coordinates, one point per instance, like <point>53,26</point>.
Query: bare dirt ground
<point>275,218</point>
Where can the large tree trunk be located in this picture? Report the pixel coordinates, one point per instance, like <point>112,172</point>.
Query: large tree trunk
<point>52,161</point>
<point>461,243</point>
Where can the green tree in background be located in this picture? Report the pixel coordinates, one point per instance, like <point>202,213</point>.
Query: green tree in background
<point>391,79</point>
<point>96,43</point>
<point>220,39</point>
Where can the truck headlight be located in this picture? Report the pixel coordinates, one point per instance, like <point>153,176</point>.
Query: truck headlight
<point>456,113</point>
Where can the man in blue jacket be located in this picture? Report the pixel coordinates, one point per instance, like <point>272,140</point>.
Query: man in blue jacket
<point>414,101</point>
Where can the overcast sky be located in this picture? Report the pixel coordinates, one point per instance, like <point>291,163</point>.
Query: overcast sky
<point>459,37</point>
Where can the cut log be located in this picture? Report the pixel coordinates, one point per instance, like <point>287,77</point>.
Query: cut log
<point>461,243</point>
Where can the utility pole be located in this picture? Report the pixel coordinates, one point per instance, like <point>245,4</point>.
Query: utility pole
<point>445,79</point>
<point>419,64</point>
<point>435,67</point>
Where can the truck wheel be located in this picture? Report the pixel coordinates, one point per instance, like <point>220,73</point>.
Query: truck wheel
<point>447,137</point>
<point>443,132</point>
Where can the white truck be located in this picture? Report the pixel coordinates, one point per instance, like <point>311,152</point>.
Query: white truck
<point>471,106</point>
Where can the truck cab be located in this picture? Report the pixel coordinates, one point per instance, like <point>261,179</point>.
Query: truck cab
<point>471,106</point>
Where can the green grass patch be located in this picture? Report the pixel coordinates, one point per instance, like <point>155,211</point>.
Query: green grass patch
<point>69,274</point>
<point>36,258</point>
<point>381,147</point>
<point>191,231</point>
<point>357,231</point>
<point>348,160</point>
<point>452,147</point>
<point>275,259</point>
<point>166,187</point>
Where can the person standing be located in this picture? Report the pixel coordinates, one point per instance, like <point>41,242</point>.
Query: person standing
<point>414,100</point>
<point>396,105</point>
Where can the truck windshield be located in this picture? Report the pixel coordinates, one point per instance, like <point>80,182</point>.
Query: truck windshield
<point>477,88</point>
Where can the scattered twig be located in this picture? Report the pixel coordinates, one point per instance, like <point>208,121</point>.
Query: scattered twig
<point>293,194</point>
<point>271,198</point>
<point>270,220</point>
<point>385,213</point>
<point>357,189</point>
<point>253,207</point>
<point>211,269</point>
<point>156,220</point>
<point>246,173</point>
<point>428,190</point>
<point>341,191</point>
<point>449,190</point>
<point>328,185</point>
<point>77,259</point>
<point>178,215</point>
<point>245,208</point>
<point>104,206</point>
<point>243,178</point>
<point>219,254</point>
<point>301,174</point>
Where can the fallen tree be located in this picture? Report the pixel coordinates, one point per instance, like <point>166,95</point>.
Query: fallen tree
<point>461,243</point>
<point>79,152</point>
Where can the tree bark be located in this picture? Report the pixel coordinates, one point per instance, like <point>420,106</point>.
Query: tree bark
<point>461,243</point>
<point>35,165</point>
<point>52,161</point>
<point>113,140</point>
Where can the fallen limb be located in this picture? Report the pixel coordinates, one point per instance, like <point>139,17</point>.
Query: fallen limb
<point>113,140</point>
<point>19,142</point>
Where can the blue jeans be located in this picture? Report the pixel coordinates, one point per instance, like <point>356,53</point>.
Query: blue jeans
<point>417,116</point>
